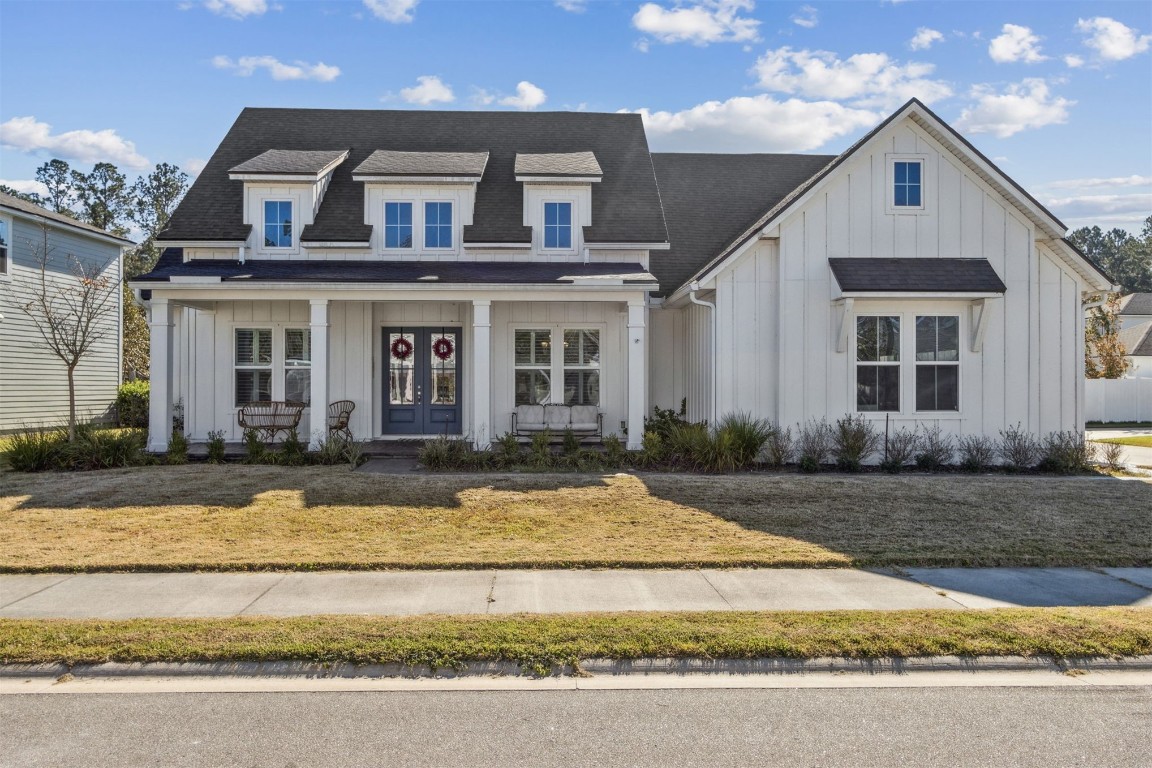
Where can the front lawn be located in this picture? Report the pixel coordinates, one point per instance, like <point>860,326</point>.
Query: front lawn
<point>1140,441</point>
<point>259,517</point>
<point>541,641</point>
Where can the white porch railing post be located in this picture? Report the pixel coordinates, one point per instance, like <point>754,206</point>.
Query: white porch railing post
<point>160,384</point>
<point>637,374</point>
<point>481,373</point>
<point>318,421</point>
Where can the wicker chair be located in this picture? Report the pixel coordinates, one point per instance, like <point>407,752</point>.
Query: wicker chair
<point>269,417</point>
<point>339,416</point>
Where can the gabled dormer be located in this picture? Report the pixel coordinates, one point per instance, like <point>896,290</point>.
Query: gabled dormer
<point>283,190</point>
<point>558,198</point>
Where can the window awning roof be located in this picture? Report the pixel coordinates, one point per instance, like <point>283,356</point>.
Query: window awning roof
<point>916,276</point>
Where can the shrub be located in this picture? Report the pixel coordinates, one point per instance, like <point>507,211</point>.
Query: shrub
<point>570,443</point>
<point>293,451</point>
<point>96,448</point>
<point>452,453</point>
<point>654,448</point>
<point>509,449</point>
<point>1018,449</point>
<point>177,448</point>
<point>540,450</point>
<point>853,440</point>
<point>1112,454</point>
<point>976,452</point>
<point>255,451</point>
<point>780,448</point>
<point>36,450</point>
<point>900,448</point>
<point>332,451</point>
<point>814,444</point>
<point>614,452</point>
<point>689,445</point>
<point>665,419</point>
<point>216,446</point>
<point>132,404</point>
<point>936,449</point>
<point>745,436</point>
<point>1066,453</point>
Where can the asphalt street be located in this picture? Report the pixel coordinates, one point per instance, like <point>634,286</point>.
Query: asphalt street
<point>838,727</point>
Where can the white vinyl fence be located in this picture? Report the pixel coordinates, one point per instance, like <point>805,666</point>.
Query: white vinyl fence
<point>1118,400</point>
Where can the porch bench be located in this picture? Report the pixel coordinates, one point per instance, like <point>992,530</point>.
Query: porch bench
<point>268,417</point>
<point>585,420</point>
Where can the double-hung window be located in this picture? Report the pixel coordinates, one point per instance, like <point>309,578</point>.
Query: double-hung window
<point>253,364</point>
<point>533,364</point>
<point>878,363</point>
<point>437,225</point>
<point>937,363</point>
<point>558,225</point>
<point>582,366</point>
<point>298,364</point>
<point>277,223</point>
<point>5,247</point>
<point>397,225</point>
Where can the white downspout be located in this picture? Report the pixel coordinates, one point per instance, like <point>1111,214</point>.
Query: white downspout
<point>695,286</point>
<point>241,253</point>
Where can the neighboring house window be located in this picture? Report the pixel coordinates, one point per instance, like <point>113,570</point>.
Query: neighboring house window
<point>437,225</point>
<point>557,225</point>
<point>277,223</point>
<point>938,363</point>
<point>5,239</point>
<point>253,365</point>
<point>877,363</point>
<point>533,363</point>
<point>582,367</point>
<point>397,225</point>
<point>907,189</point>
<point>298,364</point>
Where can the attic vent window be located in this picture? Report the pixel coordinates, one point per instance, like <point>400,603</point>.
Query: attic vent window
<point>906,188</point>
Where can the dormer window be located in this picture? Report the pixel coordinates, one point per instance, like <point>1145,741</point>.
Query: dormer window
<point>558,225</point>
<point>437,225</point>
<point>397,225</point>
<point>277,223</point>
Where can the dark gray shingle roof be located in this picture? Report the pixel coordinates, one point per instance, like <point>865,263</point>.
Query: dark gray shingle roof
<point>1136,304</point>
<point>290,161</point>
<point>917,275</point>
<point>558,164</point>
<point>16,204</point>
<point>385,162</point>
<point>625,208</point>
<point>710,199</point>
<point>1137,340</point>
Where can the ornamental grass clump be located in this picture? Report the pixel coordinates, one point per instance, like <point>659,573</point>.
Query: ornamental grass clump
<point>508,449</point>
<point>1066,453</point>
<point>36,450</point>
<point>97,448</point>
<point>615,454</point>
<point>976,452</point>
<point>936,449</point>
<point>814,444</point>
<point>853,440</point>
<point>1018,449</point>
<point>745,437</point>
<point>900,447</point>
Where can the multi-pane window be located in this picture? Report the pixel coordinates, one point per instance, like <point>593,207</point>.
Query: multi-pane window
<point>877,363</point>
<point>937,363</point>
<point>5,238</point>
<point>298,364</point>
<point>253,364</point>
<point>557,225</point>
<point>437,225</point>
<point>277,223</point>
<point>533,363</point>
<point>582,367</point>
<point>907,191</point>
<point>398,225</point>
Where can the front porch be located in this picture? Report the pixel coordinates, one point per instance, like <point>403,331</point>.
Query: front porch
<point>415,369</point>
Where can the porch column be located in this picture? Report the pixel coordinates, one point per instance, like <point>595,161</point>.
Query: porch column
<point>318,423</point>
<point>637,374</point>
<point>160,367</point>
<point>481,373</point>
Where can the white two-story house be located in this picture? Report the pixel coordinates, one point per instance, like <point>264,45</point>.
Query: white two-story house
<point>441,268</point>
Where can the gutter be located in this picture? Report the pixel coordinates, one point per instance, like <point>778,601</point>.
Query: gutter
<point>693,287</point>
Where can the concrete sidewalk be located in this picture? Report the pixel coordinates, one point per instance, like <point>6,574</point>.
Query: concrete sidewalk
<point>143,595</point>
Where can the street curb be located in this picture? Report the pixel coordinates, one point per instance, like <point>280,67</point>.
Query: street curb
<point>587,667</point>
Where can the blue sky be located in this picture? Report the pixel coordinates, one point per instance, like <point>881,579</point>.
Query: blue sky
<point>1059,94</point>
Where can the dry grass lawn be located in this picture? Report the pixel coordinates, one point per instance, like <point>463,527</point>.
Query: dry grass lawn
<point>251,517</point>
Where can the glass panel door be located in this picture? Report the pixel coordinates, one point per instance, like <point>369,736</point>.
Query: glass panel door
<point>422,381</point>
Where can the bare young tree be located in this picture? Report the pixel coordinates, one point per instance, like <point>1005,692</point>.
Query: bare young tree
<point>73,310</point>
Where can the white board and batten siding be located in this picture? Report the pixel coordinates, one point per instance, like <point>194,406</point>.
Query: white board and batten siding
<point>33,381</point>
<point>778,323</point>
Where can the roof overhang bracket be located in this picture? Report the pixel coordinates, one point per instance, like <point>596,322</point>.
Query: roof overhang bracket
<point>845,307</point>
<point>978,311</point>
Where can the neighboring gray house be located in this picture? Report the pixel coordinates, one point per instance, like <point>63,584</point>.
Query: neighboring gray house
<point>1135,309</point>
<point>1137,341</point>
<point>33,381</point>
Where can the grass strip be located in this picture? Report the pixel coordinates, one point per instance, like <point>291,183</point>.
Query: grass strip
<point>1139,441</point>
<point>542,640</point>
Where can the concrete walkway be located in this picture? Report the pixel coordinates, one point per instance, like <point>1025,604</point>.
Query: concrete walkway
<point>142,595</point>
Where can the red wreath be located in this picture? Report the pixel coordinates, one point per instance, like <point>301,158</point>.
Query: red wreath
<point>401,348</point>
<point>443,348</point>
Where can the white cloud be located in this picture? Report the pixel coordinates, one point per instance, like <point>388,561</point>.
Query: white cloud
<point>708,21</point>
<point>1091,206</point>
<point>27,186</point>
<point>866,79</point>
<point>925,38</point>
<point>193,165</point>
<point>528,96</point>
<point>1016,43</point>
<point>1114,181</point>
<point>754,124</point>
<point>237,9</point>
<point>807,17</point>
<point>394,11</point>
<point>428,90</point>
<point>245,66</point>
<point>30,135</point>
<point>1112,40</point>
<point>1073,61</point>
<point>1023,106</point>
<point>573,6</point>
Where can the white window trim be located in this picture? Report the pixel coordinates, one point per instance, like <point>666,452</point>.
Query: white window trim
<point>908,364</point>
<point>6,268</point>
<point>277,367</point>
<point>451,247</point>
<point>572,219</point>
<point>416,223</point>
<point>295,203</point>
<point>926,173</point>
<point>556,367</point>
